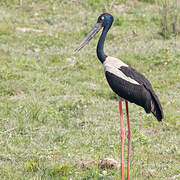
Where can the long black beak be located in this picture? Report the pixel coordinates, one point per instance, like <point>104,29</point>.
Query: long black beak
<point>90,35</point>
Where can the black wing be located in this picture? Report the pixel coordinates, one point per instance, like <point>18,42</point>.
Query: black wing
<point>156,108</point>
<point>142,94</point>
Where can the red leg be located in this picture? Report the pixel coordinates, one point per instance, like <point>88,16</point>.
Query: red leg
<point>122,138</point>
<point>129,137</point>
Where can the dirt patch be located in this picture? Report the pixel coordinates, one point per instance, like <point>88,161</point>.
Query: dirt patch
<point>106,163</point>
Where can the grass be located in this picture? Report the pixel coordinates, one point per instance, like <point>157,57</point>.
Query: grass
<point>170,20</point>
<point>56,109</point>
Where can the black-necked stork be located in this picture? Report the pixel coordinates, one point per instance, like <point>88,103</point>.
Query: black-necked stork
<point>125,81</point>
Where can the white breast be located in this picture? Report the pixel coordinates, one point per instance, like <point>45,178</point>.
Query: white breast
<point>113,66</point>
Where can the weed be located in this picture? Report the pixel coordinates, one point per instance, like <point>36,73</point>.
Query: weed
<point>170,19</point>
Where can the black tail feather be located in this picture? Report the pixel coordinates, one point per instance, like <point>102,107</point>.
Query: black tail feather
<point>156,108</point>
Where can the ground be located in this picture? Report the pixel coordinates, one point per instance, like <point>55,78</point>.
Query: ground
<point>56,108</point>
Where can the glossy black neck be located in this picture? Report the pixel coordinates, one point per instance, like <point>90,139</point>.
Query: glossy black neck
<point>100,47</point>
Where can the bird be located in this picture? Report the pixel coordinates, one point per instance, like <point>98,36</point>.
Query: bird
<point>129,84</point>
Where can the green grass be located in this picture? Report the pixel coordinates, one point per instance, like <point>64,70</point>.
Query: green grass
<point>56,109</point>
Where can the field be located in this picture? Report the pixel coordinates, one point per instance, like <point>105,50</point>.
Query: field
<point>57,111</point>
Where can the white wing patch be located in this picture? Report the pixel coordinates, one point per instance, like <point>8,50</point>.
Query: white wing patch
<point>113,66</point>
<point>114,62</point>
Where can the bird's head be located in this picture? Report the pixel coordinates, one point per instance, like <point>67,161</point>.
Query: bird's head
<point>104,20</point>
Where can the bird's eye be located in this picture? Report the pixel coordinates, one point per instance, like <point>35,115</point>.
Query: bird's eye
<point>102,17</point>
